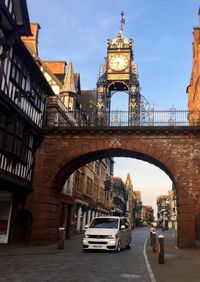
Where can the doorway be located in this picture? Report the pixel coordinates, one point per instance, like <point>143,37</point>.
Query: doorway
<point>23,226</point>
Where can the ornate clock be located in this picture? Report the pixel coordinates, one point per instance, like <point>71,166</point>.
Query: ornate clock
<point>118,62</point>
<point>119,75</point>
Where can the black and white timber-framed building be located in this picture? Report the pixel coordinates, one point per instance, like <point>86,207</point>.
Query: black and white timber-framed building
<point>23,92</point>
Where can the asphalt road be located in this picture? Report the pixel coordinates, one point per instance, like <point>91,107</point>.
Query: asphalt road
<point>72,265</point>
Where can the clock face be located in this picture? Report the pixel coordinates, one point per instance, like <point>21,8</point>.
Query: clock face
<point>118,62</point>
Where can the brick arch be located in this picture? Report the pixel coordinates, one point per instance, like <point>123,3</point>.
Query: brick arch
<point>177,153</point>
<point>69,167</point>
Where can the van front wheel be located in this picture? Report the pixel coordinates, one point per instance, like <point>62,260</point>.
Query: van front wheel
<point>119,246</point>
<point>129,244</point>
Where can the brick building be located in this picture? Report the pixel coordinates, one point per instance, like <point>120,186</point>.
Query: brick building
<point>120,197</point>
<point>138,208</point>
<point>147,215</point>
<point>193,89</point>
<point>130,212</point>
<point>167,210</point>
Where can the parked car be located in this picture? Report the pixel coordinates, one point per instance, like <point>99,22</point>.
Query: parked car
<point>107,233</point>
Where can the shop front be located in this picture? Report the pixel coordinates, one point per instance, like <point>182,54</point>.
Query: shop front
<point>6,199</point>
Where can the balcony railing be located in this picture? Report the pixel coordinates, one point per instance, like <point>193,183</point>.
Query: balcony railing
<point>124,118</point>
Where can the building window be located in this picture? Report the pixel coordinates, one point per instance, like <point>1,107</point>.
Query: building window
<point>13,138</point>
<point>97,167</point>
<point>89,186</point>
<point>26,87</point>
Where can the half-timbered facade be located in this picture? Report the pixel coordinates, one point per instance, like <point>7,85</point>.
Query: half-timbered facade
<point>23,92</point>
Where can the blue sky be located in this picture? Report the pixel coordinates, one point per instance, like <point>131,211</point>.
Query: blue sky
<point>162,32</point>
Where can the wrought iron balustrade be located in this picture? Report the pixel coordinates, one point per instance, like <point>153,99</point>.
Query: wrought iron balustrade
<point>123,118</point>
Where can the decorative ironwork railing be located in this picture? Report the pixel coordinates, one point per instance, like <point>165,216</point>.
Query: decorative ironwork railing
<point>123,118</point>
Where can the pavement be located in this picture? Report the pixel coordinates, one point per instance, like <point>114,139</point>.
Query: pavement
<point>180,264</point>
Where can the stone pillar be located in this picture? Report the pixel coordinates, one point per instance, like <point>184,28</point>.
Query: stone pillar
<point>186,226</point>
<point>78,223</point>
<point>88,216</point>
<point>83,220</point>
<point>186,219</point>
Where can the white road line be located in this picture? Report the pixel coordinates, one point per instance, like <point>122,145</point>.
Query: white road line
<point>150,272</point>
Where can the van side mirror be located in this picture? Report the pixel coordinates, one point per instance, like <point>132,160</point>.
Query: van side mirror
<point>86,226</point>
<point>122,227</point>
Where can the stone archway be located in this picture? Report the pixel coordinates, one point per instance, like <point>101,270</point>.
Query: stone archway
<point>60,155</point>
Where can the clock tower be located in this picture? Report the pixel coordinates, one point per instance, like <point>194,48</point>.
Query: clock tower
<point>118,73</point>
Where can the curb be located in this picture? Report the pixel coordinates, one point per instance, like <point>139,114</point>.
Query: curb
<point>148,266</point>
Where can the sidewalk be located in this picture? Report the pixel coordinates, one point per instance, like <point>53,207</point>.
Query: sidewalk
<point>181,265</point>
<point>22,249</point>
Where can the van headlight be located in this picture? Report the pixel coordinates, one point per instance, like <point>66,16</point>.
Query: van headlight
<point>86,236</point>
<point>114,236</point>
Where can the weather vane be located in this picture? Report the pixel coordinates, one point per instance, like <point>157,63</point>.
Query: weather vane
<point>122,21</point>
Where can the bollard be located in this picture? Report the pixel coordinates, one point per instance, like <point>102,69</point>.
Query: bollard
<point>151,237</point>
<point>61,238</point>
<point>154,241</point>
<point>161,249</point>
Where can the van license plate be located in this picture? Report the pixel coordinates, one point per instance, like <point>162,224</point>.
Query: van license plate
<point>96,246</point>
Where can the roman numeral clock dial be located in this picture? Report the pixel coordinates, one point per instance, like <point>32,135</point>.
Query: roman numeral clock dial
<point>118,62</point>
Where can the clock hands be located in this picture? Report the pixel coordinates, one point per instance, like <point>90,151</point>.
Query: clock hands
<point>118,62</point>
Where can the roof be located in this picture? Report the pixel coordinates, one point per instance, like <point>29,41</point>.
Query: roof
<point>119,42</point>
<point>22,48</point>
<point>39,62</point>
<point>32,41</point>
<point>57,67</point>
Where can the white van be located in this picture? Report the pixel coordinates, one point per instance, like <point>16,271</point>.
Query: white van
<point>107,233</point>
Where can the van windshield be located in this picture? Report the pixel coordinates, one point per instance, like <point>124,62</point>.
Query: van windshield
<point>105,223</point>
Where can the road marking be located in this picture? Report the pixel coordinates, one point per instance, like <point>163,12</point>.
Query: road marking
<point>127,275</point>
<point>150,272</point>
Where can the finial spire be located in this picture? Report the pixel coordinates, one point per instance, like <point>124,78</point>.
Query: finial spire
<point>122,21</point>
<point>69,83</point>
